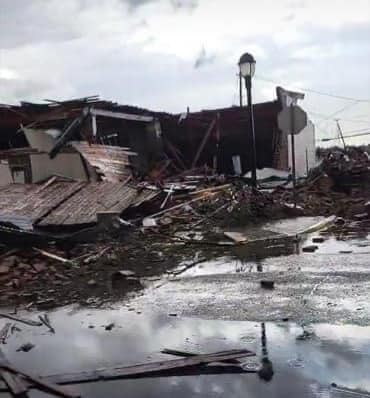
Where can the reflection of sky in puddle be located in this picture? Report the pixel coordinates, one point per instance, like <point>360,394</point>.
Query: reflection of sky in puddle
<point>264,256</point>
<point>338,354</point>
<point>334,246</point>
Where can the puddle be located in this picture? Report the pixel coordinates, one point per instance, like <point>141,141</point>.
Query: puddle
<point>292,226</point>
<point>339,354</point>
<point>282,254</point>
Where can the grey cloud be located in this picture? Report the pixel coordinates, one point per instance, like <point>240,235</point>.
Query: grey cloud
<point>203,59</point>
<point>27,22</point>
<point>297,4</point>
<point>184,4</point>
<point>289,17</point>
<point>133,5</point>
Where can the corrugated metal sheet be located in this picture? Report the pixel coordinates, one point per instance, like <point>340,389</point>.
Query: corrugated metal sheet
<point>111,162</point>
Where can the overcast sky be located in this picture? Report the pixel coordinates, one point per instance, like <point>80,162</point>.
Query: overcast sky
<point>170,54</point>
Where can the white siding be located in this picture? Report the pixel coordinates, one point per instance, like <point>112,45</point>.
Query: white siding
<point>305,140</point>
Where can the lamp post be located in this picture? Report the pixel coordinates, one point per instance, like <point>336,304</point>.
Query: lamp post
<point>247,65</point>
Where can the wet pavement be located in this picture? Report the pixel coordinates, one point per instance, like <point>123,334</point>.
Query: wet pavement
<point>306,368</point>
<point>316,323</point>
<point>331,284</point>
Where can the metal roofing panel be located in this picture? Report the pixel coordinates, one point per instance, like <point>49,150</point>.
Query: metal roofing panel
<point>112,162</point>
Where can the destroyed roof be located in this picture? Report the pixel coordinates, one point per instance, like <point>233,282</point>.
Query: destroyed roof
<point>87,202</point>
<point>42,114</point>
<point>65,203</point>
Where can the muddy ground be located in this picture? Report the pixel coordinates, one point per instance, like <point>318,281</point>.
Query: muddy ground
<point>93,276</point>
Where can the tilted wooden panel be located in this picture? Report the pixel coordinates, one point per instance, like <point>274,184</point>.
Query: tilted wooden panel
<point>82,208</point>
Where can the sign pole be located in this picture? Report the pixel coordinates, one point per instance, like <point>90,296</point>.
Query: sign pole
<point>292,130</point>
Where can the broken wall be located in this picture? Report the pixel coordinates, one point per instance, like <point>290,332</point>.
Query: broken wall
<point>41,139</point>
<point>64,164</point>
<point>5,174</point>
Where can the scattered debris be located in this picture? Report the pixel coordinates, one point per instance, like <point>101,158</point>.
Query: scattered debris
<point>26,347</point>
<point>126,273</point>
<point>305,335</point>
<point>22,320</point>
<point>4,332</point>
<point>109,327</point>
<point>153,369</point>
<point>318,239</point>
<point>267,284</point>
<point>53,256</point>
<point>237,237</point>
<point>350,391</point>
<point>310,248</point>
<point>45,320</point>
<point>18,381</point>
<point>186,354</point>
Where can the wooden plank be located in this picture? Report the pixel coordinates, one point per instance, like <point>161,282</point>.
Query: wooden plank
<point>53,256</point>
<point>13,382</point>
<point>147,369</point>
<point>15,385</point>
<point>174,207</point>
<point>203,143</point>
<point>29,322</point>
<point>121,115</point>
<point>186,354</point>
<point>175,153</point>
<point>237,237</point>
<point>45,320</point>
<point>4,333</point>
<point>42,383</point>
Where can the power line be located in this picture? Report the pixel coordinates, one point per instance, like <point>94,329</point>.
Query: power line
<point>308,90</point>
<point>357,131</point>
<point>321,115</point>
<point>339,111</point>
<point>345,136</point>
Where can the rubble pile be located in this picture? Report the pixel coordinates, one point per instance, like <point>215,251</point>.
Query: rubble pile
<point>340,185</point>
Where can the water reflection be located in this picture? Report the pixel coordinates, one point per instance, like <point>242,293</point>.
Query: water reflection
<point>339,354</point>
<point>266,372</point>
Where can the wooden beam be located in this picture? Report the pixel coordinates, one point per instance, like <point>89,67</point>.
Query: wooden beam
<point>147,369</point>
<point>41,383</point>
<point>13,382</point>
<point>175,152</point>
<point>186,354</point>
<point>93,125</point>
<point>203,143</point>
<point>29,322</point>
<point>121,115</point>
<point>53,256</point>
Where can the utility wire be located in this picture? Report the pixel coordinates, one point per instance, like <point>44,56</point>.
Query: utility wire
<point>345,136</point>
<point>321,115</point>
<point>308,90</point>
<point>331,116</point>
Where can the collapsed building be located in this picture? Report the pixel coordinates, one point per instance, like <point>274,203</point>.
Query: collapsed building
<point>65,163</point>
<point>222,139</point>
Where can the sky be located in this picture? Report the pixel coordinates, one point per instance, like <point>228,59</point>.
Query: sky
<point>170,54</point>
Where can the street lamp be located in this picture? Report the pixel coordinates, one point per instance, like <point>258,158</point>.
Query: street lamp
<point>247,66</point>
